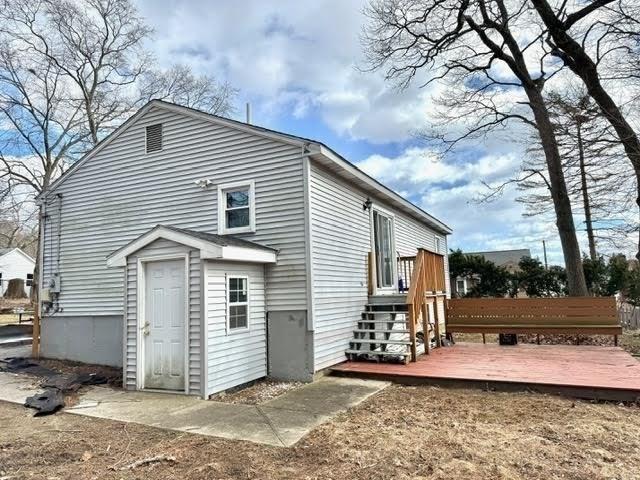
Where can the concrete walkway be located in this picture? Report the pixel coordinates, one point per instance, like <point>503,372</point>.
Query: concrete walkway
<point>279,422</point>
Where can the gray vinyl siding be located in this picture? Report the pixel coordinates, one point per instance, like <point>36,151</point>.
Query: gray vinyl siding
<point>122,192</point>
<point>163,247</point>
<point>234,357</point>
<point>341,239</point>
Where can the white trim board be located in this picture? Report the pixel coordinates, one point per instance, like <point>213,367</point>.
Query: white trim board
<point>208,250</point>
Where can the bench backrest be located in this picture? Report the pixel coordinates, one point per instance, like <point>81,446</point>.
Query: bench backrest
<point>531,313</point>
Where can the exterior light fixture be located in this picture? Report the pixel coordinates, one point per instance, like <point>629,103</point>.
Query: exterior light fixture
<point>367,204</point>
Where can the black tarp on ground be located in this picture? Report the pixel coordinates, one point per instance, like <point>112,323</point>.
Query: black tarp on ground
<point>56,385</point>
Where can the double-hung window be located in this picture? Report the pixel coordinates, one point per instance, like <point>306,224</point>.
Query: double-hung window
<point>236,208</point>
<point>237,303</point>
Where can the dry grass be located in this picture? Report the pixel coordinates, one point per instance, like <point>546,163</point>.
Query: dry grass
<point>401,433</point>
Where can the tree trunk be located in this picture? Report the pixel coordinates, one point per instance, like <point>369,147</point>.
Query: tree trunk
<point>585,196</point>
<point>576,282</point>
<point>15,289</point>
<point>580,63</point>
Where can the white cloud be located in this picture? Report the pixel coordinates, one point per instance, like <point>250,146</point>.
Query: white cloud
<point>289,55</point>
<point>449,190</point>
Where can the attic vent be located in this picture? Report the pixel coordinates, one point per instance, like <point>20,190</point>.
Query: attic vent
<point>154,138</point>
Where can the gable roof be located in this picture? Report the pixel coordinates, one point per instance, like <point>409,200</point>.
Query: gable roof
<point>5,251</point>
<point>503,257</point>
<point>211,246</point>
<point>315,149</point>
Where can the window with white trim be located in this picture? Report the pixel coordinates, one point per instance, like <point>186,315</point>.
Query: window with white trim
<point>237,303</point>
<point>236,208</point>
<point>437,244</point>
<point>29,281</point>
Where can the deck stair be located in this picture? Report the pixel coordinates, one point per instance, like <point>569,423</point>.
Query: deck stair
<point>382,333</point>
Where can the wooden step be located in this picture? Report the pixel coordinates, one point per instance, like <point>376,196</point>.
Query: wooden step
<point>377,330</point>
<point>380,341</point>
<point>393,307</point>
<point>369,320</point>
<point>378,353</point>
<point>382,312</point>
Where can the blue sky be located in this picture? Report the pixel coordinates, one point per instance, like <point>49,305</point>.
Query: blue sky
<point>297,64</point>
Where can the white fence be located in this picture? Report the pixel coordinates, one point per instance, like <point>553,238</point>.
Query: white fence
<point>629,315</point>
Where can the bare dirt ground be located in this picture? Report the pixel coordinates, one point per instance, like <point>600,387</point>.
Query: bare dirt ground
<point>257,393</point>
<point>400,433</point>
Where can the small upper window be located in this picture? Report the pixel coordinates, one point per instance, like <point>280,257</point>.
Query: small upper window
<point>154,138</point>
<point>29,279</point>
<point>437,244</point>
<point>237,303</point>
<point>236,208</point>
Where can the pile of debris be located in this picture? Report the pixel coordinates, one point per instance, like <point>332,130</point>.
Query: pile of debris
<point>57,387</point>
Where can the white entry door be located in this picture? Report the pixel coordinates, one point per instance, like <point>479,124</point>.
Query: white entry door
<point>164,327</point>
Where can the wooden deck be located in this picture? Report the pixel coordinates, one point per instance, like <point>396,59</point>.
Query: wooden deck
<point>604,373</point>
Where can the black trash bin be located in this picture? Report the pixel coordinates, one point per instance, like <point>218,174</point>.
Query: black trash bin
<point>508,339</point>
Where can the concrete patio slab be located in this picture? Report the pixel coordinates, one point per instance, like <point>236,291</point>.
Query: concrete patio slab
<point>279,422</point>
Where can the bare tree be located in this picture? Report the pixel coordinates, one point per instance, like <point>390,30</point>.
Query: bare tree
<point>590,38</point>
<point>180,85</point>
<point>44,124</point>
<point>95,44</point>
<point>493,51</point>
<point>598,177</point>
<point>19,222</point>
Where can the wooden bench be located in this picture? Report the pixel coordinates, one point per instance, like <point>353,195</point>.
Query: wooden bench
<point>566,315</point>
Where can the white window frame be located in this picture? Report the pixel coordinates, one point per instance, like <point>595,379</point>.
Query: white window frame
<point>437,243</point>
<point>222,207</point>
<point>394,255</point>
<point>229,276</point>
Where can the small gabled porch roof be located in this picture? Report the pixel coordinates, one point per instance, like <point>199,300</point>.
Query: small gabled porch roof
<point>211,246</point>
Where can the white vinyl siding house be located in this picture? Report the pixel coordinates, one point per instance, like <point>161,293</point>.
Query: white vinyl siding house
<point>123,192</point>
<point>341,239</point>
<point>243,208</point>
<point>14,263</point>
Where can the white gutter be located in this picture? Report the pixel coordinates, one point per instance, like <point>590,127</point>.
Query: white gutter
<point>381,189</point>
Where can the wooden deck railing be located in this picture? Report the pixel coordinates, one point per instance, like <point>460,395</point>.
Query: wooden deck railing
<point>406,266</point>
<point>427,285</point>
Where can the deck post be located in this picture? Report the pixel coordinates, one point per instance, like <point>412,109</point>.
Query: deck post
<point>412,332</point>
<point>425,328</point>
<point>370,273</point>
<point>437,321</point>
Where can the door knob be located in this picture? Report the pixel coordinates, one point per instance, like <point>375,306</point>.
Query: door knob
<point>145,329</point>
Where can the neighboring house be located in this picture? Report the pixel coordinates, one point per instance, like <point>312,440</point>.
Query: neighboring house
<point>201,253</point>
<point>14,263</point>
<point>508,259</point>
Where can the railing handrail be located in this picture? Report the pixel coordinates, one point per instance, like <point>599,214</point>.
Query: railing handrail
<point>426,263</point>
